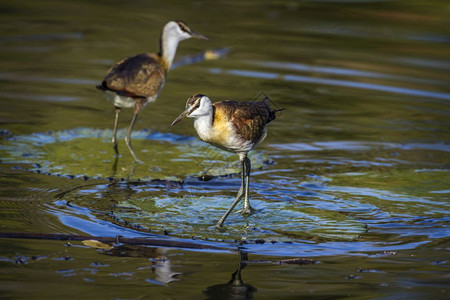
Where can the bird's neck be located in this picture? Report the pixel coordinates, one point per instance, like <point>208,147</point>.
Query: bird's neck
<point>203,126</point>
<point>167,50</point>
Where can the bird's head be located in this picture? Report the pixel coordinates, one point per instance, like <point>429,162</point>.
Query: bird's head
<point>196,106</point>
<point>180,31</point>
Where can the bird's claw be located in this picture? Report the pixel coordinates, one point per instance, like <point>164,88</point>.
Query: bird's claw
<point>219,226</point>
<point>246,211</point>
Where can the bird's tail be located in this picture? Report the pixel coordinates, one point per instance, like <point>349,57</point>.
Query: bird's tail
<point>272,114</point>
<point>102,86</point>
<point>276,110</point>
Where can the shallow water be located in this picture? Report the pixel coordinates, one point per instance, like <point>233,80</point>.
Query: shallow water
<point>350,187</point>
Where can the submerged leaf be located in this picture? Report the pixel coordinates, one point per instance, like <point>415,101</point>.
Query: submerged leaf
<point>88,153</point>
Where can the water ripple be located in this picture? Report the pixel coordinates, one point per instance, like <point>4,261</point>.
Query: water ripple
<point>333,82</point>
<point>359,146</point>
<point>340,71</point>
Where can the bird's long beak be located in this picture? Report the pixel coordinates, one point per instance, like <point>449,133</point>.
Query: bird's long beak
<point>180,117</point>
<point>198,36</point>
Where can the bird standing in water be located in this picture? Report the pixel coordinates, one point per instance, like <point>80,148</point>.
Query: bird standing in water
<point>232,126</point>
<point>137,80</point>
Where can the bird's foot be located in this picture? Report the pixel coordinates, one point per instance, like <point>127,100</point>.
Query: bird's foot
<point>138,161</point>
<point>246,211</point>
<point>219,226</point>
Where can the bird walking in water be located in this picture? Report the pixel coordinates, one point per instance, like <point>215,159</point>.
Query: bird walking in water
<point>232,126</point>
<point>137,80</point>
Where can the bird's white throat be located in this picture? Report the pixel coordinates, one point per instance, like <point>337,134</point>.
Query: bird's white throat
<point>203,126</point>
<point>170,38</point>
<point>203,118</point>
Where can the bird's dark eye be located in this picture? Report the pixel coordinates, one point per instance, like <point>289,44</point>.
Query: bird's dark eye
<point>183,27</point>
<point>195,106</point>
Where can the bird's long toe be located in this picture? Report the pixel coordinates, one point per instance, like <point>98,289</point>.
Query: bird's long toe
<point>246,211</point>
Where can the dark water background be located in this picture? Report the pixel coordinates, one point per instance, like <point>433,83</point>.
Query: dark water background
<point>351,185</point>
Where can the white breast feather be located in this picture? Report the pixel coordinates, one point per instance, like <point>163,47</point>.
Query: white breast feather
<point>233,142</point>
<point>126,102</point>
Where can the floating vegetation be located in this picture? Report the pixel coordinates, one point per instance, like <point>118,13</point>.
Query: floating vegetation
<point>87,152</point>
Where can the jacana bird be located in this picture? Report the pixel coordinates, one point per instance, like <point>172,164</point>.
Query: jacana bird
<point>236,127</point>
<point>137,80</point>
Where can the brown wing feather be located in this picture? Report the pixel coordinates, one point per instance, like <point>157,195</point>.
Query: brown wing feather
<point>249,118</point>
<point>136,76</point>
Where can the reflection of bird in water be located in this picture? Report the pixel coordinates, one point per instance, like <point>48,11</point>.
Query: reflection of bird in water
<point>138,80</point>
<point>161,265</point>
<point>233,126</point>
<point>163,268</point>
<point>235,288</point>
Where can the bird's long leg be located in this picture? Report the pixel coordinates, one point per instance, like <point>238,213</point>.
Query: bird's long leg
<point>114,166</point>
<point>238,197</point>
<point>242,188</point>
<point>137,109</point>
<point>247,208</point>
<point>114,138</point>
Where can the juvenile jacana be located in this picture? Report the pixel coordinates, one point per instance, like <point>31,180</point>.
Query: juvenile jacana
<point>236,127</point>
<point>137,80</point>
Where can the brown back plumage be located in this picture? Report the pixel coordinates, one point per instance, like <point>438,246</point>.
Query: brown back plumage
<point>248,118</point>
<point>139,76</point>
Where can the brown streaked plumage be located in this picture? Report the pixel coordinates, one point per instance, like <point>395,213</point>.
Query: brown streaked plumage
<point>248,118</point>
<point>233,126</point>
<point>137,80</point>
<point>139,76</point>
